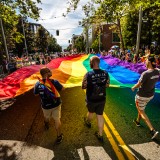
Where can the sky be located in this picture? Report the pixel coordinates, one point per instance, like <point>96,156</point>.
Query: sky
<point>52,19</point>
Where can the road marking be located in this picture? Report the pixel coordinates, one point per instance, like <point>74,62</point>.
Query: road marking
<point>115,147</point>
<point>81,154</point>
<point>127,151</point>
<point>96,153</point>
<point>113,143</point>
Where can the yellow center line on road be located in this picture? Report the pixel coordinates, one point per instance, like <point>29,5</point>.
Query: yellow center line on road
<point>113,143</point>
<point>126,150</point>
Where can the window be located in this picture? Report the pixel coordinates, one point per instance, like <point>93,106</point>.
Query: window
<point>115,37</point>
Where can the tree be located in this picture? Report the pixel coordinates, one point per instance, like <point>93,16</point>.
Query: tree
<point>10,20</point>
<point>26,8</point>
<point>113,12</point>
<point>8,9</point>
<point>79,44</point>
<point>52,45</point>
<point>69,48</point>
<point>41,39</point>
<point>95,45</point>
<point>129,25</point>
<point>150,30</point>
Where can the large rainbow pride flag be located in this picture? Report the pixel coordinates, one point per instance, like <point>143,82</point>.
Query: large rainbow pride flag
<point>70,71</point>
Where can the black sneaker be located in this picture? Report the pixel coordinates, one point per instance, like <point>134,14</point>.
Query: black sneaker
<point>136,123</point>
<point>100,138</point>
<point>87,123</point>
<point>154,134</point>
<point>46,125</point>
<point>59,139</point>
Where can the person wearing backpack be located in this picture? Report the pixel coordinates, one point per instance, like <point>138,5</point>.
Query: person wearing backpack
<point>95,83</point>
<point>48,89</point>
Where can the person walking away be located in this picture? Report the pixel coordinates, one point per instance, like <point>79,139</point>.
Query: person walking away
<point>95,83</point>
<point>48,89</point>
<point>146,88</point>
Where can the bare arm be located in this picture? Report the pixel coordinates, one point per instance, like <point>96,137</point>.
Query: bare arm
<point>136,85</point>
<point>84,82</point>
<point>108,82</point>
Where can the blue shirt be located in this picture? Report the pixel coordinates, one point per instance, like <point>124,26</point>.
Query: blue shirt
<point>46,101</point>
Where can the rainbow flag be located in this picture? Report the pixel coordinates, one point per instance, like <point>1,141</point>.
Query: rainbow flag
<point>69,71</point>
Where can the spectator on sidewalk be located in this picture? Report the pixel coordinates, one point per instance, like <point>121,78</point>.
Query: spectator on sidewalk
<point>95,83</point>
<point>146,88</point>
<point>50,100</point>
<point>11,66</point>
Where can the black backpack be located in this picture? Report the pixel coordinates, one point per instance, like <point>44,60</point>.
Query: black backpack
<point>98,87</point>
<point>99,90</point>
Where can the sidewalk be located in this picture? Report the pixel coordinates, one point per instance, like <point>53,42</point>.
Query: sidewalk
<point>17,150</point>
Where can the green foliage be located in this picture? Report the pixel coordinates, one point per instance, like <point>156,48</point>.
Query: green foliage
<point>95,45</point>
<point>8,10</point>
<point>69,48</point>
<point>79,44</point>
<point>150,28</point>
<point>52,45</point>
<point>72,5</point>
<point>25,7</point>
<point>41,39</point>
<point>129,25</point>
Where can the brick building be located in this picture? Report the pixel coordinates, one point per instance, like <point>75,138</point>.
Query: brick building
<point>108,37</point>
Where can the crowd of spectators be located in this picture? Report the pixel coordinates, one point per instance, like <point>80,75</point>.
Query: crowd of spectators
<point>15,62</point>
<point>40,58</point>
<point>131,56</point>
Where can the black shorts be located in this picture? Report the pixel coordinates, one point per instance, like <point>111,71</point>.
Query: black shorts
<point>97,107</point>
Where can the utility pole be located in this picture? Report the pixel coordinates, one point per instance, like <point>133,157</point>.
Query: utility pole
<point>87,38</point>
<point>4,39</point>
<point>139,30</point>
<point>99,38</point>
<point>25,43</point>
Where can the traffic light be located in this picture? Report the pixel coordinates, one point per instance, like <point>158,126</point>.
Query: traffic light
<point>57,32</point>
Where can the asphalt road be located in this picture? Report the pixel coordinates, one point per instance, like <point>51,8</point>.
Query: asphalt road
<point>23,137</point>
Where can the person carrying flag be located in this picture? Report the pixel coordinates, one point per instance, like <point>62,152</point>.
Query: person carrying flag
<point>48,89</point>
<point>145,93</point>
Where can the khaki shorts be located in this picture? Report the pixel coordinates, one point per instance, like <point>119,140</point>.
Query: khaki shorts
<point>55,113</point>
<point>141,102</point>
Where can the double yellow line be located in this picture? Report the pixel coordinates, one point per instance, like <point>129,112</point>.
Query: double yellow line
<point>115,146</point>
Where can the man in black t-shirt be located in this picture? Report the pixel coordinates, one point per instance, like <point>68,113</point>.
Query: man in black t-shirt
<point>146,89</point>
<point>95,83</point>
